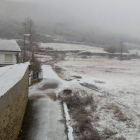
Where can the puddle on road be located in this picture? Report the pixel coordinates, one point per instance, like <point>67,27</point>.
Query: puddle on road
<point>47,88</point>
<point>52,96</point>
<point>49,84</point>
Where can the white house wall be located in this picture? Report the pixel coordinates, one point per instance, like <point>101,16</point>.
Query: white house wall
<point>2,58</point>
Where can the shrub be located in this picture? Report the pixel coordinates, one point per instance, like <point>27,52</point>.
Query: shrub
<point>78,102</point>
<point>110,49</point>
<point>109,133</point>
<point>118,112</point>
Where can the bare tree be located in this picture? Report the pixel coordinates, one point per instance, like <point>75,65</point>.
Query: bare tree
<point>29,28</point>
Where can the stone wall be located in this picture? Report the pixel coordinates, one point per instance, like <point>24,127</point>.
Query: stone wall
<point>12,109</point>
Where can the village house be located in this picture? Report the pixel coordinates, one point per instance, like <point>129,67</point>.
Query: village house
<point>9,50</point>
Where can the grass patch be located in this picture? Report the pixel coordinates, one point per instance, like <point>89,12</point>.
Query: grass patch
<point>108,133</point>
<point>77,103</point>
<point>118,113</point>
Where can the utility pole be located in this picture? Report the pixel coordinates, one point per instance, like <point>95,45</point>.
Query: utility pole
<point>24,51</point>
<point>33,62</point>
<point>121,50</point>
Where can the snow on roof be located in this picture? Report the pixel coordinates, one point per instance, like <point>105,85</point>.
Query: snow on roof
<point>10,75</point>
<point>9,45</point>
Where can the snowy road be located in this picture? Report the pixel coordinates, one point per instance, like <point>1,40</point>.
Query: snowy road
<point>43,115</point>
<point>51,84</point>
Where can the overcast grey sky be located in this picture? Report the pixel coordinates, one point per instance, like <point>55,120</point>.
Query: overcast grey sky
<point>119,16</point>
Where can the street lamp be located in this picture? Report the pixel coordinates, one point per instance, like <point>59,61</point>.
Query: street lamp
<point>25,35</point>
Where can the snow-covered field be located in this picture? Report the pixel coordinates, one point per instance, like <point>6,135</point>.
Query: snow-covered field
<point>118,88</point>
<point>43,58</point>
<point>118,94</point>
<point>137,52</point>
<point>82,48</point>
<point>71,47</point>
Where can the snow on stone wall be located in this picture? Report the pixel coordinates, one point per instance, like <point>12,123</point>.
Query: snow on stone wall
<point>10,75</point>
<point>14,82</point>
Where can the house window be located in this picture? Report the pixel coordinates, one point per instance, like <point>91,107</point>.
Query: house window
<point>8,57</point>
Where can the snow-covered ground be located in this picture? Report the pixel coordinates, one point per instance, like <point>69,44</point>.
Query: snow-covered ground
<point>10,75</point>
<point>118,85</point>
<point>71,47</point>
<point>135,52</point>
<point>43,58</point>
<point>82,48</point>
